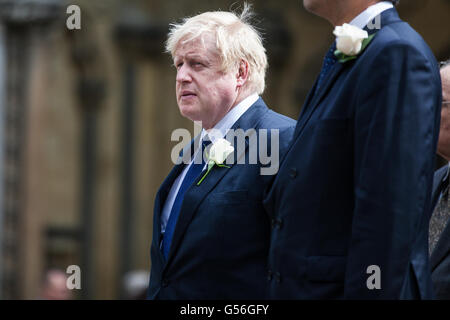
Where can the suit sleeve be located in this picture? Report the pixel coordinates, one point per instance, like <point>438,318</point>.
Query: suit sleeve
<point>395,135</point>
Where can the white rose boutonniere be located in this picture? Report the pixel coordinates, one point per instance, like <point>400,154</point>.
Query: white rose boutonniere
<point>350,42</point>
<point>218,152</point>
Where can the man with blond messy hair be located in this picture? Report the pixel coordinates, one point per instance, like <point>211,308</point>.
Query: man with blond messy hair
<point>211,233</point>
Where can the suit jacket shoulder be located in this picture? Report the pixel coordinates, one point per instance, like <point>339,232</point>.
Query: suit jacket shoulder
<point>396,40</point>
<point>259,117</point>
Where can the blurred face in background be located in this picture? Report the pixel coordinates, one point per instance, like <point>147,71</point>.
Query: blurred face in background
<point>204,91</point>
<point>55,286</point>
<point>443,148</point>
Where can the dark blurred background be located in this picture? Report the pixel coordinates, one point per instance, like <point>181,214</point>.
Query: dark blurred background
<point>86,117</point>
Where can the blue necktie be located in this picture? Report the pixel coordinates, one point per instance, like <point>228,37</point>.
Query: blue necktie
<point>328,62</point>
<point>192,174</point>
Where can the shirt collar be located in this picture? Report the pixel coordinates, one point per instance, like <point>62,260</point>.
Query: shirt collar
<point>447,172</point>
<point>221,128</point>
<point>370,13</point>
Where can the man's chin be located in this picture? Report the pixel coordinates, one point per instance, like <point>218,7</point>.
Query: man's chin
<point>311,6</point>
<point>308,5</point>
<point>190,113</point>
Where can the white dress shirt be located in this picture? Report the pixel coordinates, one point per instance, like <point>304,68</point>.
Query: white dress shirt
<point>370,13</point>
<point>219,131</point>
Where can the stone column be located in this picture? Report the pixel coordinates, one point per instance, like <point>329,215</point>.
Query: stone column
<point>24,24</point>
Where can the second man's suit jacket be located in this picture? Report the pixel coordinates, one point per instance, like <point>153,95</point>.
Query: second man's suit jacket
<point>221,240</point>
<point>353,192</point>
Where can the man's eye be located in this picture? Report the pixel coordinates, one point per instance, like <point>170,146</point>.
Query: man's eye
<point>178,65</point>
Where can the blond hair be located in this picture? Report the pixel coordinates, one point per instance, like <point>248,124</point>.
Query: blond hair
<point>236,40</point>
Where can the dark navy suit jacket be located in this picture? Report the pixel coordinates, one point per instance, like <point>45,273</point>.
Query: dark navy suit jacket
<point>221,241</point>
<point>440,257</point>
<point>354,190</point>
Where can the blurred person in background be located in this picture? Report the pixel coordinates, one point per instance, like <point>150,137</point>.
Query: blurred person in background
<point>135,284</point>
<point>54,286</point>
<point>439,238</point>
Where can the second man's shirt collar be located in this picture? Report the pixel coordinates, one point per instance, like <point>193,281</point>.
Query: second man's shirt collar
<point>370,13</point>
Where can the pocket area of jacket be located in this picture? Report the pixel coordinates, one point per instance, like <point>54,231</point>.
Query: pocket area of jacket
<point>229,197</point>
<point>326,268</point>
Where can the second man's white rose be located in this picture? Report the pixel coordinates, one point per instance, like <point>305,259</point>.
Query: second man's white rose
<point>349,39</point>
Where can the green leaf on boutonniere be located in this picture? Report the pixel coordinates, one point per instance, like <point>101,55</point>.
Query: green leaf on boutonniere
<point>366,42</point>
<point>210,166</point>
<point>343,58</point>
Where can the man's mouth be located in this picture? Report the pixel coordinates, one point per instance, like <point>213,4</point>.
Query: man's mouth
<point>187,94</point>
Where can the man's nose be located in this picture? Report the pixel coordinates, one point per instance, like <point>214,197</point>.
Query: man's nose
<point>183,74</point>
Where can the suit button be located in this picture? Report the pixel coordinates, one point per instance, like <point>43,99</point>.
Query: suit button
<point>277,277</point>
<point>293,173</point>
<point>273,223</point>
<point>165,283</point>
<point>279,223</point>
<point>269,275</point>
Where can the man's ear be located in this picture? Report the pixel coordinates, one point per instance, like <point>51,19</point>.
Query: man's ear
<point>242,74</point>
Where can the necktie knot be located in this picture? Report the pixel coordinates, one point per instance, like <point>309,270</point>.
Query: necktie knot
<point>200,156</point>
<point>205,144</point>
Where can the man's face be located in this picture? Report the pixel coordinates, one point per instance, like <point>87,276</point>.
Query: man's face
<point>443,148</point>
<point>337,12</point>
<point>204,92</point>
<point>330,9</point>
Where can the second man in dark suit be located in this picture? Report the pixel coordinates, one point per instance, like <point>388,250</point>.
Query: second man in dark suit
<point>354,190</point>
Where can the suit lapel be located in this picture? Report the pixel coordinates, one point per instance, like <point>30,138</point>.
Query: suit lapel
<point>184,157</point>
<point>438,185</point>
<point>316,97</point>
<point>161,195</point>
<point>163,192</point>
<point>196,193</point>
<point>439,178</point>
<point>309,98</point>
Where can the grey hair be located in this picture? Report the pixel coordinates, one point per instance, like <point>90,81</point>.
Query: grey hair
<point>236,39</point>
